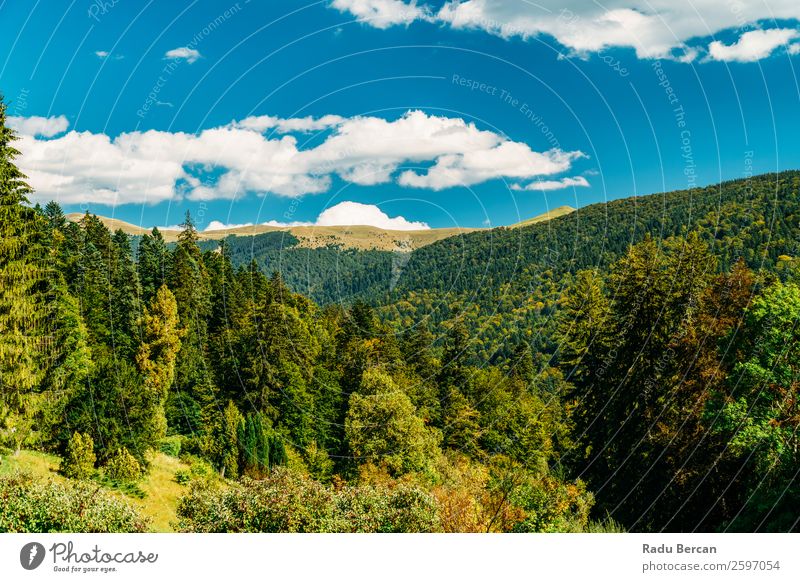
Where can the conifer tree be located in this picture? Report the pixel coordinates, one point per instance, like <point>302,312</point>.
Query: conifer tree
<point>152,263</point>
<point>189,282</point>
<point>21,280</point>
<point>161,342</point>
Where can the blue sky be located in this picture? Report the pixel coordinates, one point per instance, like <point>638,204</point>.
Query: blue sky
<point>447,113</point>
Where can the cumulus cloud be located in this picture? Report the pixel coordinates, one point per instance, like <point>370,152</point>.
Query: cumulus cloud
<point>354,214</point>
<point>752,46</point>
<point>184,53</point>
<point>39,126</point>
<point>218,225</point>
<point>383,13</point>
<point>653,28</point>
<point>264,123</point>
<point>242,157</point>
<point>101,54</point>
<point>506,160</point>
<point>546,185</point>
<point>342,214</point>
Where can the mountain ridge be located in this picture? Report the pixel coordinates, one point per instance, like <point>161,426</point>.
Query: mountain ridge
<point>357,237</point>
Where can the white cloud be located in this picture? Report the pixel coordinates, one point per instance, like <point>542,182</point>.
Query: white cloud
<point>653,28</point>
<point>342,214</point>
<point>183,53</point>
<point>383,13</point>
<point>546,185</point>
<point>794,49</point>
<point>218,225</point>
<point>506,160</point>
<point>107,55</point>
<point>355,213</point>
<point>308,124</point>
<point>752,46</point>
<point>39,126</point>
<point>239,158</point>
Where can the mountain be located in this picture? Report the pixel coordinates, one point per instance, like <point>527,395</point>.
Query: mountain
<point>549,215</point>
<point>359,237</point>
<point>506,284</point>
<point>755,219</point>
<point>484,270</point>
<point>312,237</point>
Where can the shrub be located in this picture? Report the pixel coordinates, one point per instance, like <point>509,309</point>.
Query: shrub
<point>28,505</point>
<point>79,457</point>
<point>171,445</point>
<point>288,501</point>
<point>122,466</point>
<point>182,477</point>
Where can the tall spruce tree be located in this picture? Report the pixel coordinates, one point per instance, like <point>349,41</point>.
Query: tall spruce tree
<point>21,280</point>
<point>152,263</point>
<point>190,284</point>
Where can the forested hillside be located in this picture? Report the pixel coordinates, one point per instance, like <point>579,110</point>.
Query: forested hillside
<point>627,366</point>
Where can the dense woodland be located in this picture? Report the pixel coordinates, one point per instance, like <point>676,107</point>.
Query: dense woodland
<point>633,366</point>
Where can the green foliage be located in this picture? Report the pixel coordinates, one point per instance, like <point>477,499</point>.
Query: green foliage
<point>758,414</point>
<point>122,466</point>
<point>35,506</point>
<point>79,457</point>
<point>157,353</point>
<point>152,263</point>
<point>253,445</point>
<point>22,281</point>
<point>115,410</point>
<point>288,502</point>
<point>382,427</point>
<point>171,445</point>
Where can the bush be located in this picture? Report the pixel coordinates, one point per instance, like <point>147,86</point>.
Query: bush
<point>287,501</point>
<point>182,477</point>
<point>171,445</point>
<point>37,506</point>
<point>122,466</point>
<point>79,457</point>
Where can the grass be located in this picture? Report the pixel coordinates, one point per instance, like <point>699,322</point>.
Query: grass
<point>155,496</point>
<point>549,215</point>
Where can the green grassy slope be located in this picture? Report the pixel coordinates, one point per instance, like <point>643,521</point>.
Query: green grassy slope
<point>161,490</point>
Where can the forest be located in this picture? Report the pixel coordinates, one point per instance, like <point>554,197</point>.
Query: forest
<point>632,366</point>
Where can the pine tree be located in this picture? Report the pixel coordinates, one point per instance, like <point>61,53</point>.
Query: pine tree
<point>189,282</point>
<point>124,292</point>
<point>79,457</point>
<point>158,351</point>
<point>584,322</point>
<point>21,280</point>
<point>152,263</point>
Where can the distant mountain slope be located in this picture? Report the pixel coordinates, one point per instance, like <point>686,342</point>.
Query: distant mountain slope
<point>345,237</point>
<point>506,284</point>
<point>757,219</point>
<point>311,237</point>
<point>549,215</point>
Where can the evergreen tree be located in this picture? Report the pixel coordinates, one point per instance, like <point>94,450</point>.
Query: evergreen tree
<point>124,292</point>
<point>152,263</point>
<point>21,281</point>
<point>189,282</point>
<point>158,352</point>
